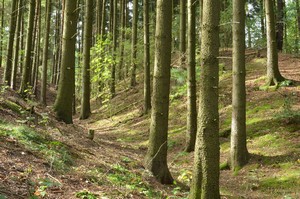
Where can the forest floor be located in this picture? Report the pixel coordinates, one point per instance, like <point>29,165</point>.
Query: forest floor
<point>43,158</point>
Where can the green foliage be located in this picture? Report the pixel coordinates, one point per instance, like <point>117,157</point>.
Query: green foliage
<point>179,77</point>
<point>44,184</point>
<point>101,61</point>
<point>288,114</point>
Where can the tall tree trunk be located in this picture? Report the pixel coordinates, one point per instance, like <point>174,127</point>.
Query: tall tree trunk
<point>87,44</point>
<point>273,74</point>
<point>298,24</point>
<point>28,50</point>
<point>191,79</point>
<point>156,158</point>
<point>280,24</point>
<point>238,151</point>
<point>45,54</point>
<point>9,56</point>
<point>2,33</point>
<point>182,32</point>
<point>206,172</point>
<point>17,45</point>
<point>66,86</point>
<point>147,75</point>
<point>134,43</point>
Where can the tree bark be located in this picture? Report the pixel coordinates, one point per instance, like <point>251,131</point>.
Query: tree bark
<point>87,44</point>
<point>206,172</point>
<point>66,86</point>
<point>273,74</point>
<point>122,38</point>
<point>238,151</point>
<point>28,51</point>
<point>191,79</point>
<point>156,158</point>
<point>9,56</point>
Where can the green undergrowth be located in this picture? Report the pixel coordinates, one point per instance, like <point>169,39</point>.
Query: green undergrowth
<point>56,153</point>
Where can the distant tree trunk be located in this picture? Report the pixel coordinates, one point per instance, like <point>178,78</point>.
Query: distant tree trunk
<point>114,4</point>
<point>2,33</point>
<point>22,44</point>
<point>182,32</point>
<point>134,43</point>
<point>66,86</point>
<point>99,9</point>
<point>9,56</point>
<point>238,151</point>
<point>103,22</point>
<point>122,38</point>
<point>280,24</point>
<point>111,15</point>
<point>28,51</point>
<point>57,44</point>
<point>206,171</point>
<point>87,44</point>
<point>262,19</point>
<point>45,53</point>
<point>17,45</point>
<point>147,75</point>
<point>37,43</point>
<point>273,74</point>
<point>156,158</point>
<point>191,78</point>
<point>298,24</point>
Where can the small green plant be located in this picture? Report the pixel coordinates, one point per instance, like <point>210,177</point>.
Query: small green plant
<point>43,185</point>
<point>84,194</point>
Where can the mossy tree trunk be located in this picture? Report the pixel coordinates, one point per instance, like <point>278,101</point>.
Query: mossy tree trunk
<point>17,46</point>
<point>10,46</point>
<point>134,43</point>
<point>45,53</point>
<point>66,86</point>
<point>191,78</point>
<point>147,75</point>
<point>206,172</point>
<point>273,74</point>
<point>156,158</point>
<point>87,44</point>
<point>28,50</point>
<point>238,151</point>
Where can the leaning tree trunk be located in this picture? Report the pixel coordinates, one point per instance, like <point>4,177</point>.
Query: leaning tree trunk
<point>156,158</point>
<point>134,43</point>
<point>238,151</point>
<point>66,86</point>
<point>9,56</point>
<point>28,51</point>
<point>273,74</point>
<point>206,171</point>
<point>87,44</point>
<point>45,54</point>
<point>191,79</point>
<point>147,75</point>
